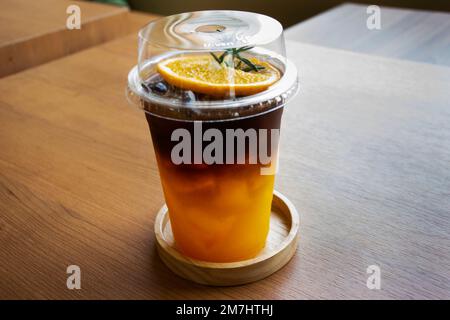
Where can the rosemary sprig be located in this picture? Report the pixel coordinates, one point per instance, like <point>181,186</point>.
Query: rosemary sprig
<point>235,55</point>
<point>250,65</point>
<point>255,67</point>
<point>215,58</point>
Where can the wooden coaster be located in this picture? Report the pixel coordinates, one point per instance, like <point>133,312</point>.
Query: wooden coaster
<point>280,247</point>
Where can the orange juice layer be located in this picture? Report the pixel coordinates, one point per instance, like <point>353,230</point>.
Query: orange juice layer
<point>219,215</point>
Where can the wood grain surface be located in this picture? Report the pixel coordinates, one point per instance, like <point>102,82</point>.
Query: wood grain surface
<point>422,36</point>
<point>34,32</point>
<point>365,156</point>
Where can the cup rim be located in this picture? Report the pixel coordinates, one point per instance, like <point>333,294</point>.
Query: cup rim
<point>281,92</point>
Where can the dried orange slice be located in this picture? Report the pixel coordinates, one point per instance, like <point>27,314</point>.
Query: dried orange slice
<point>202,74</point>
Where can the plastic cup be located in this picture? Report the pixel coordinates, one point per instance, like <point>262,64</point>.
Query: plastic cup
<point>217,155</point>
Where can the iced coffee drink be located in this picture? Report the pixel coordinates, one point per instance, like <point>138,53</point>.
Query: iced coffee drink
<point>213,85</point>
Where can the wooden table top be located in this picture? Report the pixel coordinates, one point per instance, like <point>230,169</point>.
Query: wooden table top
<point>364,157</point>
<point>35,32</point>
<point>415,35</point>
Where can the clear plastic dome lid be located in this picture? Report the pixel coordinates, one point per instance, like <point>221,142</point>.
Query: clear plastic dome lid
<point>211,64</point>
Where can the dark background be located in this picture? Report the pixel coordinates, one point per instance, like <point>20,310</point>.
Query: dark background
<point>288,12</point>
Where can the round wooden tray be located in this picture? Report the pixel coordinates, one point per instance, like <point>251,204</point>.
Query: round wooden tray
<point>280,247</point>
